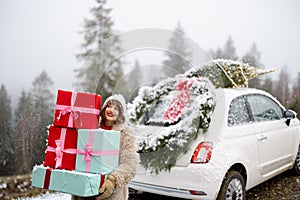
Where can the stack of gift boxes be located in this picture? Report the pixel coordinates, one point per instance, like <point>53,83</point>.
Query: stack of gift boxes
<point>79,155</point>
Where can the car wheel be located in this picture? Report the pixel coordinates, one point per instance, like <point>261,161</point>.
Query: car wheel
<point>233,187</point>
<point>296,167</point>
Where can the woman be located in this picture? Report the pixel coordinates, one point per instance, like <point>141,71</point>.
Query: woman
<point>115,187</point>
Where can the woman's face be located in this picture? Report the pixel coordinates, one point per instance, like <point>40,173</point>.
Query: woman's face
<point>111,113</point>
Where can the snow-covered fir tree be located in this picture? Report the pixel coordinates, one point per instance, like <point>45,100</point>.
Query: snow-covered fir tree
<point>43,109</point>
<point>100,67</point>
<point>6,138</point>
<point>178,55</point>
<point>24,133</point>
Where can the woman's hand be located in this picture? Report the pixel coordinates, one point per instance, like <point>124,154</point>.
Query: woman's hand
<point>107,188</point>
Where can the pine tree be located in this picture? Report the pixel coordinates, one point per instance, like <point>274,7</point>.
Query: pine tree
<point>6,139</point>
<point>252,57</point>
<point>130,82</point>
<point>267,85</point>
<point>218,54</point>
<point>101,68</point>
<point>295,104</point>
<point>24,129</point>
<point>178,55</point>
<point>227,52</point>
<point>134,81</point>
<point>42,99</point>
<point>282,91</point>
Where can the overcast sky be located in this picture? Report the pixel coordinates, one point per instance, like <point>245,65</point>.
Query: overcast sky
<point>39,35</point>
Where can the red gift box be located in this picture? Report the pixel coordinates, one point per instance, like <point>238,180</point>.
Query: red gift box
<point>62,147</point>
<point>77,110</point>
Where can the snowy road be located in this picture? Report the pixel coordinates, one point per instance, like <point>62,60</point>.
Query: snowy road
<point>52,196</point>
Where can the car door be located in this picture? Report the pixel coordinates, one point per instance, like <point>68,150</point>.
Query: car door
<point>274,138</point>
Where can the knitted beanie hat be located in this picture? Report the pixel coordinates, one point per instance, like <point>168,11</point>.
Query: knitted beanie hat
<point>117,97</point>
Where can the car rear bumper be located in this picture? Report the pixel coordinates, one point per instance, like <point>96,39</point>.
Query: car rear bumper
<point>168,191</point>
<point>191,182</point>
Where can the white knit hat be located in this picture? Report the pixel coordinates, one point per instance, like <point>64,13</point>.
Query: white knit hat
<point>117,97</point>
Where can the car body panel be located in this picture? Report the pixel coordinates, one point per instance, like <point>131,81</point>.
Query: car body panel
<point>264,149</point>
<point>270,139</point>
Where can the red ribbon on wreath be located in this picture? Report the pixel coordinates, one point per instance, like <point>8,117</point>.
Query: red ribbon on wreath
<point>180,101</point>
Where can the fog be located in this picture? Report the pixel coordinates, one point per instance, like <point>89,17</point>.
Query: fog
<point>41,35</point>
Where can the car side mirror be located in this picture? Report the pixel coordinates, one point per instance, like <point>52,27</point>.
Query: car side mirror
<point>289,114</point>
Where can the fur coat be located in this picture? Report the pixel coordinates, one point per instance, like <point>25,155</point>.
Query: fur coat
<point>127,168</point>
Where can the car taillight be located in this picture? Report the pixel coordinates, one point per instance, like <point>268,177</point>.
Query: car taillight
<point>202,153</point>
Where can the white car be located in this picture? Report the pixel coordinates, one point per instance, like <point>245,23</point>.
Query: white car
<point>251,138</point>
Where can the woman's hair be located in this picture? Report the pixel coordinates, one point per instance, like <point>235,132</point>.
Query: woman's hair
<point>121,117</point>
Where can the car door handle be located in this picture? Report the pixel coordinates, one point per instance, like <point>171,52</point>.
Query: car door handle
<point>262,137</point>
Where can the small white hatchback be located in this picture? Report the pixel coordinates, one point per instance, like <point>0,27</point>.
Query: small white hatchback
<point>250,139</point>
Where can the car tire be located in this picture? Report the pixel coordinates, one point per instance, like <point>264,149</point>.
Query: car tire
<point>233,187</point>
<point>296,167</point>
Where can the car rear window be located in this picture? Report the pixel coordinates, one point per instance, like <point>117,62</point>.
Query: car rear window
<point>238,112</point>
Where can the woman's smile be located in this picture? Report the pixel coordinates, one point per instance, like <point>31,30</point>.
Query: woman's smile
<point>110,114</point>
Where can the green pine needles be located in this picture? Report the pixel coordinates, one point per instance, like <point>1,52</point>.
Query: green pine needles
<point>160,150</point>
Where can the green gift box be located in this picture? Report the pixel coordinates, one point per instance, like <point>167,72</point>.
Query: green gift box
<point>97,150</point>
<point>72,182</point>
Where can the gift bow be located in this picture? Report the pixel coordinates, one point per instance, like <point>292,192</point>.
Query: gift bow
<point>69,109</point>
<point>180,101</point>
<point>87,153</point>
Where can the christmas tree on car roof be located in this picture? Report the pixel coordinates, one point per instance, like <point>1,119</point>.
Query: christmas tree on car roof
<point>228,73</point>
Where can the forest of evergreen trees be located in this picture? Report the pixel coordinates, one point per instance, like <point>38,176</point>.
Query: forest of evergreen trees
<point>23,130</point>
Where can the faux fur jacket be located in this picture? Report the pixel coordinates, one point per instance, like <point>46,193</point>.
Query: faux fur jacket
<point>127,168</point>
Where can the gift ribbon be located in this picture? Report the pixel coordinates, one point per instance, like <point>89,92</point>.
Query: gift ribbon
<point>58,149</point>
<point>58,153</point>
<point>47,178</point>
<point>88,152</point>
<point>74,111</point>
<point>102,179</point>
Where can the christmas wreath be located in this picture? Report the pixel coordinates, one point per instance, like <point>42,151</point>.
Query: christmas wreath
<point>189,110</point>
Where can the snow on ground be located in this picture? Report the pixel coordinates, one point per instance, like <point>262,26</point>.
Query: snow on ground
<point>51,196</point>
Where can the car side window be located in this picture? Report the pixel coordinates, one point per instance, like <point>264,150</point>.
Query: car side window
<point>238,112</point>
<point>264,108</point>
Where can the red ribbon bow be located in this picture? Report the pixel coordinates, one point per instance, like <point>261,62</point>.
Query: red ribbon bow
<point>180,101</point>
